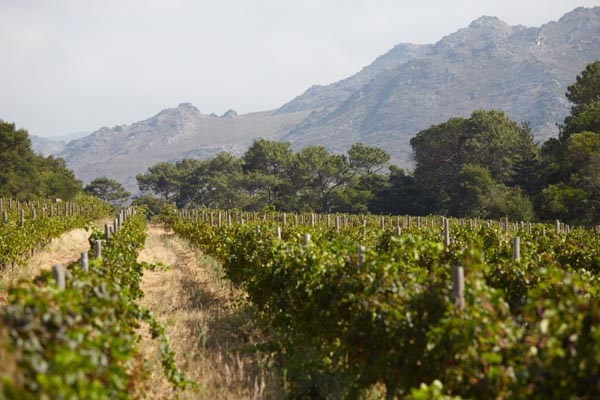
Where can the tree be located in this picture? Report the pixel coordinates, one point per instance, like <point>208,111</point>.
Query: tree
<point>572,162</point>
<point>315,174</point>
<point>162,179</point>
<point>586,89</point>
<point>108,190</point>
<point>402,194</point>
<point>216,183</point>
<point>26,175</point>
<point>367,160</point>
<point>266,164</point>
<point>488,139</point>
<point>153,205</point>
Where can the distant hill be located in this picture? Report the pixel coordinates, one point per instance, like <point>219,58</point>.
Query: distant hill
<point>487,65</point>
<point>54,144</point>
<point>123,151</point>
<point>46,146</point>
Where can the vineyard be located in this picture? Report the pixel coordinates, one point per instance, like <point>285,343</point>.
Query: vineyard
<point>352,306</point>
<point>26,227</point>
<point>356,302</point>
<point>73,332</point>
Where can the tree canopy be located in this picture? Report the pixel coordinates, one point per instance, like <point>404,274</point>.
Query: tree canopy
<point>107,189</point>
<point>26,175</point>
<point>486,166</point>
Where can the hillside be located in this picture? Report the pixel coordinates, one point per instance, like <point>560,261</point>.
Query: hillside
<point>123,151</point>
<point>522,71</point>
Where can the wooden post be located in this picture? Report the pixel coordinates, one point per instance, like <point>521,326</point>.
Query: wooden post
<point>257,229</point>
<point>446,233</point>
<point>364,228</point>
<point>278,232</point>
<point>306,238</point>
<point>22,218</point>
<point>409,222</point>
<point>84,262</point>
<point>543,231</point>
<point>382,222</point>
<point>458,286</point>
<point>361,255</point>
<point>312,219</point>
<point>284,220</point>
<point>228,219</point>
<point>398,230</point>
<point>4,216</point>
<point>516,248</point>
<point>98,248</point>
<point>33,213</point>
<point>115,225</point>
<point>337,224</point>
<point>557,226</point>
<point>106,232</point>
<point>295,219</point>
<point>59,275</point>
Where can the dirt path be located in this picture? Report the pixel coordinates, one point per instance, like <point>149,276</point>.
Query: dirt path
<point>208,326</point>
<point>62,250</point>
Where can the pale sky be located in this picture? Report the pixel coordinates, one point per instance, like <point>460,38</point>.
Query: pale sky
<point>78,65</point>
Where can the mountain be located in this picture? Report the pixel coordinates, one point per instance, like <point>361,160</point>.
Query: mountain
<point>522,71</point>
<point>52,145</point>
<point>123,151</point>
<point>46,146</point>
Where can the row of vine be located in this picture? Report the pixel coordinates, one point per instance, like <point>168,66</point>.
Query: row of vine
<point>344,322</point>
<point>83,341</point>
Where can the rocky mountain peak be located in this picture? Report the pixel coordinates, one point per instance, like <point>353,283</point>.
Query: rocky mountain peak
<point>188,107</point>
<point>230,114</point>
<point>488,22</point>
<point>578,13</point>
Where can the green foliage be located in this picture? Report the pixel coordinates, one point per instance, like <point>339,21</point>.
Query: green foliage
<point>151,204</point>
<point>488,140</point>
<point>82,342</point>
<point>367,160</point>
<point>586,89</point>
<point>564,202</point>
<point>107,189</point>
<point>16,241</point>
<point>342,324</point>
<point>572,162</point>
<point>25,175</point>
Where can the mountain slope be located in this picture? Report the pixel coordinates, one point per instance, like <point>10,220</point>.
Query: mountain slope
<point>487,65</point>
<point>522,71</point>
<point>124,151</point>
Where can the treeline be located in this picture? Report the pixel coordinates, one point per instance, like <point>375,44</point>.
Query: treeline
<point>25,175</point>
<point>484,166</point>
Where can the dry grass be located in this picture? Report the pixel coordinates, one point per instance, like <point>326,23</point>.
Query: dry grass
<point>63,250</point>
<point>208,325</point>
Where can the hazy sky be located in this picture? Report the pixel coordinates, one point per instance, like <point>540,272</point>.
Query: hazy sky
<point>68,66</point>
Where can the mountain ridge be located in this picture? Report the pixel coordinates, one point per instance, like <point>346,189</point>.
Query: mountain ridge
<point>523,71</point>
